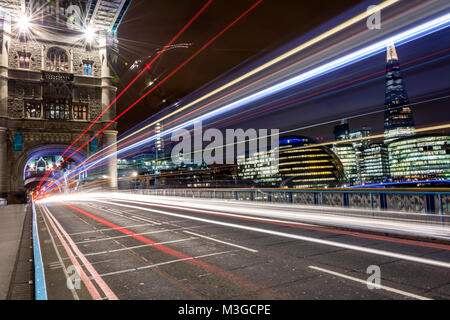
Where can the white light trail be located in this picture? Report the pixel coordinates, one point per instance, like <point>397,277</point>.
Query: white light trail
<point>401,38</point>
<point>324,36</point>
<point>385,253</point>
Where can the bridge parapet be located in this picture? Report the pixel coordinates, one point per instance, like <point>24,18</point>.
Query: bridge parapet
<point>428,206</point>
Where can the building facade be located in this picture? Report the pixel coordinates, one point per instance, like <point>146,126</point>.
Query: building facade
<point>350,152</point>
<point>375,164</point>
<point>420,158</point>
<point>301,164</point>
<point>347,154</point>
<point>56,61</point>
<point>398,118</point>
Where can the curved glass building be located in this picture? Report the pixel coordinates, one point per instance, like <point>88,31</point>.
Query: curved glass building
<point>303,164</point>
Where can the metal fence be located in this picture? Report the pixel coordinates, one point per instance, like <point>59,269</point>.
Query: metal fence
<point>422,206</point>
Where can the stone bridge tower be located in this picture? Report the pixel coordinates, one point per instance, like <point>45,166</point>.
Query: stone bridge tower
<point>56,60</point>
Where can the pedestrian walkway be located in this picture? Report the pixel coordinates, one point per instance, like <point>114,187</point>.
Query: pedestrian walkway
<point>11,226</point>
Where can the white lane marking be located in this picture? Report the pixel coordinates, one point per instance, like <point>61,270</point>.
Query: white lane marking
<point>97,278</point>
<point>164,263</point>
<point>114,213</point>
<point>147,220</point>
<point>125,227</point>
<point>119,213</point>
<point>85,278</point>
<point>220,241</point>
<point>109,229</point>
<point>195,210</point>
<point>400,292</point>
<point>60,263</point>
<point>303,238</point>
<point>138,247</point>
<point>139,234</point>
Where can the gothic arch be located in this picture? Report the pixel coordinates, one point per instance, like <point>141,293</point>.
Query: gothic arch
<point>57,60</point>
<point>41,150</point>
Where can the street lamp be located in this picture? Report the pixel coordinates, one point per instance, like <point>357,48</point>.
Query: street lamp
<point>134,175</point>
<point>89,33</point>
<point>23,23</point>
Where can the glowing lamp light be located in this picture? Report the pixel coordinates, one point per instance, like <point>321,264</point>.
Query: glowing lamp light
<point>89,33</point>
<point>24,23</point>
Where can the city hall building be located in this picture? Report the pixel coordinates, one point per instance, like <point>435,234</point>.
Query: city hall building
<point>302,164</point>
<point>56,62</point>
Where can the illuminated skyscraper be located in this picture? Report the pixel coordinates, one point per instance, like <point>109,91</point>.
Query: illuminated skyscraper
<point>375,164</point>
<point>350,154</point>
<point>398,118</point>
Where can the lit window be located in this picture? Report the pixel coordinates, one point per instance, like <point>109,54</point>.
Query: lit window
<point>33,110</point>
<point>57,110</point>
<point>87,68</point>
<point>80,112</point>
<point>24,60</point>
<point>57,60</point>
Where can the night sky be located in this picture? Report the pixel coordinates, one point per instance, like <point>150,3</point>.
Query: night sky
<point>149,25</point>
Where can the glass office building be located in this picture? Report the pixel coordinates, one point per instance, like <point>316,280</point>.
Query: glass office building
<point>347,154</point>
<point>350,154</point>
<point>259,169</point>
<point>420,158</point>
<point>374,164</point>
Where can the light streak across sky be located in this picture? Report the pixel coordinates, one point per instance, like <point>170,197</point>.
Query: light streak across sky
<point>303,98</point>
<point>147,67</point>
<point>104,150</point>
<point>324,36</point>
<point>212,40</point>
<point>401,38</point>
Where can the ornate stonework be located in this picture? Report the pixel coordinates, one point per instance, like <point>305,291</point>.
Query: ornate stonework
<point>46,77</point>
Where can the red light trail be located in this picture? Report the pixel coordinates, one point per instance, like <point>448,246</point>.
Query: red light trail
<point>147,67</point>
<point>259,80</point>
<point>212,40</point>
<point>282,104</point>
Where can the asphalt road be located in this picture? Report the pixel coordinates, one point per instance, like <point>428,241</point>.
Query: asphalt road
<point>174,249</point>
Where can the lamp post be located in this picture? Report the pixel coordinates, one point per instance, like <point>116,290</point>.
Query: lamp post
<point>134,175</point>
<point>155,185</point>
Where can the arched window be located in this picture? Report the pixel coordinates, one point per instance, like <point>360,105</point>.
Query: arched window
<point>24,60</point>
<point>87,68</point>
<point>57,60</point>
<point>80,112</point>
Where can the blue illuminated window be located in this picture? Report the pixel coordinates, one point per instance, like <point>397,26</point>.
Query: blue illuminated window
<point>87,68</point>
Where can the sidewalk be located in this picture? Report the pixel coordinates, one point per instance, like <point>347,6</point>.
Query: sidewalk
<point>12,220</point>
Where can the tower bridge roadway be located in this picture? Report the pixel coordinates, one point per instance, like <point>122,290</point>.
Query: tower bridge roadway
<point>140,247</point>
